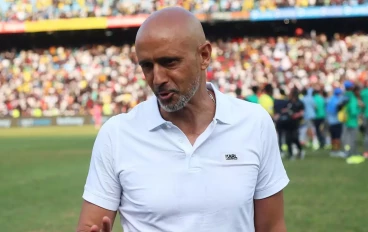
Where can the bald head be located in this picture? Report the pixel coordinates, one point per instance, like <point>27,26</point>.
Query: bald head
<point>173,53</point>
<point>174,23</point>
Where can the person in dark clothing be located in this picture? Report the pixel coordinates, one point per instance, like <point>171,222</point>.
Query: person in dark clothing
<point>293,113</point>
<point>280,122</point>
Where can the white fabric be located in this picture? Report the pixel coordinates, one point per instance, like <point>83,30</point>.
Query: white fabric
<point>145,167</point>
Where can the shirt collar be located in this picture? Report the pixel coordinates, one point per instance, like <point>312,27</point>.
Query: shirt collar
<point>222,113</point>
<point>223,106</point>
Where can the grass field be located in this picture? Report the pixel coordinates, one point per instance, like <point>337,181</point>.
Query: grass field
<point>43,170</point>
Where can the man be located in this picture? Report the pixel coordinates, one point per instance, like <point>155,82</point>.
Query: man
<point>319,119</point>
<point>364,96</point>
<point>333,107</point>
<point>352,119</point>
<point>281,120</point>
<point>309,116</point>
<point>190,158</point>
<point>253,97</point>
<point>293,111</point>
<point>266,99</point>
<point>326,127</point>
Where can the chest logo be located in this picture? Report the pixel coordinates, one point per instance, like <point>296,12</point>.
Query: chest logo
<point>231,157</point>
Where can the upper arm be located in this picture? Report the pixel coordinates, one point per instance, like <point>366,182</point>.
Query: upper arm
<point>269,214</point>
<point>102,191</point>
<point>272,179</point>
<point>92,214</point>
<point>272,176</point>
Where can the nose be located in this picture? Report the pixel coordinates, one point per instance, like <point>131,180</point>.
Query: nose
<point>159,76</point>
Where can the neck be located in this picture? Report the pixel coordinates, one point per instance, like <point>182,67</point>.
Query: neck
<point>198,112</point>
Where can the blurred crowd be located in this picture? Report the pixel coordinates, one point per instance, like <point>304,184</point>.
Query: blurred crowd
<point>33,10</point>
<point>312,117</point>
<point>70,81</point>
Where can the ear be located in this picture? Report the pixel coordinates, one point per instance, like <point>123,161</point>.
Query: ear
<point>205,51</point>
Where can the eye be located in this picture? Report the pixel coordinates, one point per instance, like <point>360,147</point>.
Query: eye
<point>146,65</point>
<point>169,62</point>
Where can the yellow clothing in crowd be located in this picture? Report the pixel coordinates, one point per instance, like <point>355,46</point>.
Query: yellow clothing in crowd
<point>267,103</point>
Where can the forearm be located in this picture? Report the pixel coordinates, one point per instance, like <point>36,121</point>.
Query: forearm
<point>92,216</point>
<point>84,228</point>
<point>277,227</point>
<point>269,214</point>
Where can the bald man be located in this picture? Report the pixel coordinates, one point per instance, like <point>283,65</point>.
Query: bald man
<point>190,158</point>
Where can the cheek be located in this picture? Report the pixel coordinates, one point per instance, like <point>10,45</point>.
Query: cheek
<point>182,78</point>
<point>188,72</point>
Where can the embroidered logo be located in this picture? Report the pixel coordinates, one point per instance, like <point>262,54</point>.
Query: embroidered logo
<point>231,157</point>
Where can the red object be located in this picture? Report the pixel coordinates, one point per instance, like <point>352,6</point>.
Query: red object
<point>11,27</point>
<point>209,75</point>
<point>299,31</point>
<point>9,106</point>
<point>126,21</point>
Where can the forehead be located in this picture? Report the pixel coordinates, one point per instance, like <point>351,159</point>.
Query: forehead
<point>162,44</point>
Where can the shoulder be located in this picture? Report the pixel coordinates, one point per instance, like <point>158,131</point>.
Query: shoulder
<point>246,112</point>
<point>120,121</point>
<point>241,105</point>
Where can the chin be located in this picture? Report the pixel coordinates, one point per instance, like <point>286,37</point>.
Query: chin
<point>170,108</point>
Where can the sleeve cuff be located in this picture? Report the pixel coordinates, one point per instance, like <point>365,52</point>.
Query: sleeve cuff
<point>101,202</point>
<point>275,188</point>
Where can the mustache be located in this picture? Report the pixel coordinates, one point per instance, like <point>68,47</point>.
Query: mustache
<point>160,89</point>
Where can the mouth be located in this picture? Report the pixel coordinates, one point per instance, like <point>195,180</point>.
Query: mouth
<point>165,95</point>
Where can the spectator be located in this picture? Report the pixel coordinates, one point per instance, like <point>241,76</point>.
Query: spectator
<point>254,97</point>
<point>319,119</point>
<point>266,99</point>
<point>281,118</point>
<point>67,80</point>
<point>364,96</point>
<point>352,116</point>
<point>309,116</point>
<point>335,126</point>
<point>294,112</point>
<point>27,10</point>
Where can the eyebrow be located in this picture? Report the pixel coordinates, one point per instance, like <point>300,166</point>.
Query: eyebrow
<point>160,59</point>
<point>143,62</point>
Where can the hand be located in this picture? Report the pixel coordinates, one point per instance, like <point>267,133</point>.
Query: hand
<point>106,226</point>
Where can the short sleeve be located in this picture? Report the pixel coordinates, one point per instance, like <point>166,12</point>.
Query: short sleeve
<point>272,176</point>
<point>102,187</point>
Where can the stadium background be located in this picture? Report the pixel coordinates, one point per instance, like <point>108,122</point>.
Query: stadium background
<point>58,58</point>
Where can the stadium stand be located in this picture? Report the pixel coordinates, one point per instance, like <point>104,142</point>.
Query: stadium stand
<point>27,10</point>
<point>47,9</point>
<point>66,81</point>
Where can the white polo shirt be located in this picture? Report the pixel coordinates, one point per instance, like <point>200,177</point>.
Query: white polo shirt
<point>146,168</point>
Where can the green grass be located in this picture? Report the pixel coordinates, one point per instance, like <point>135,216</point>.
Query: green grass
<point>43,171</point>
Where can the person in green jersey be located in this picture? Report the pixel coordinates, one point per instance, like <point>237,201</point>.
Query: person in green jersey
<point>319,120</point>
<point>364,97</point>
<point>352,119</point>
<point>253,97</point>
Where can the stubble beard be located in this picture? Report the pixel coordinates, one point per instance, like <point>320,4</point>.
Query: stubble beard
<point>183,99</point>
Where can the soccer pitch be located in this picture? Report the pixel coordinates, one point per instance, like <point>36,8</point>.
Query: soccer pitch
<point>43,170</point>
